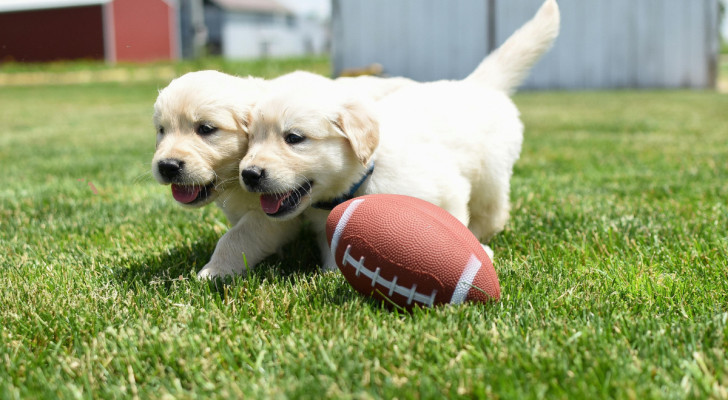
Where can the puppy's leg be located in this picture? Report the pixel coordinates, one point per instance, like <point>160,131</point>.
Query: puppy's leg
<point>488,250</point>
<point>456,197</point>
<point>489,210</point>
<point>457,205</point>
<point>318,224</point>
<point>256,236</point>
<point>328,263</point>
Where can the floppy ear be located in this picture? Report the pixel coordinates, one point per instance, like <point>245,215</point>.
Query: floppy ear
<point>242,117</point>
<point>357,123</point>
<point>240,114</point>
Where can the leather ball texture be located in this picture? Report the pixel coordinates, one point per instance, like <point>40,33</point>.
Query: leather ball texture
<point>409,252</point>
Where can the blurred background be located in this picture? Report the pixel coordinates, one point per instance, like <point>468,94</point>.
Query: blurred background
<point>604,43</point>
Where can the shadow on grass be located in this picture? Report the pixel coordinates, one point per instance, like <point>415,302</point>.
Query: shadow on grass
<point>179,263</point>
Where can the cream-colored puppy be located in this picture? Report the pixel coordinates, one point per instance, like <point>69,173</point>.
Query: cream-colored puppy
<point>200,142</point>
<point>453,143</point>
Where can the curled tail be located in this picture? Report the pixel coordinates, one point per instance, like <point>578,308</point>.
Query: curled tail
<point>505,68</point>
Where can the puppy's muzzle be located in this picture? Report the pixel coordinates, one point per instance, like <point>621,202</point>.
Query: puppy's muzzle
<point>170,168</point>
<point>252,177</point>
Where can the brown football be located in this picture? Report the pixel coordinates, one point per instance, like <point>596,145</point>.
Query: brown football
<point>410,252</point>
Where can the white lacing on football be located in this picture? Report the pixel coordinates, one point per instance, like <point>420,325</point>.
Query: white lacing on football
<point>466,280</point>
<point>342,224</point>
<point>409,292</point>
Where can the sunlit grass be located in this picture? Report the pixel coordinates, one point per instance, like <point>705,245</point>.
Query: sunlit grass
<point>613,267</point>
<point>75,72</point>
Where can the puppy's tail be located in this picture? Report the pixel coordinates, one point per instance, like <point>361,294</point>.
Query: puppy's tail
<point>505,68</point>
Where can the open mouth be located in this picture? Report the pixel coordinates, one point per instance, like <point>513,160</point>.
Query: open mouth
<point>279,204</point>
<point>192,194</point>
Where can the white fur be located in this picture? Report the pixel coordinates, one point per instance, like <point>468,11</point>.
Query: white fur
<point>453,143</point>
<point>224,101</point>
<point>510,63</point>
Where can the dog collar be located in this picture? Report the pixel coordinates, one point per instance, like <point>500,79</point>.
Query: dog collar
<point>329,205</point>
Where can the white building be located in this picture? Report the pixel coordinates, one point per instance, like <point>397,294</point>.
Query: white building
<point>261,28</point>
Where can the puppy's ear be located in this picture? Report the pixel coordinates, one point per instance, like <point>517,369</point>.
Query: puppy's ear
<point>357,123</point>
<point>242,117</point>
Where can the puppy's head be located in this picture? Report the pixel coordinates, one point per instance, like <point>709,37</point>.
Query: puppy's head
<point>201,135</point>
<point>306,147</point>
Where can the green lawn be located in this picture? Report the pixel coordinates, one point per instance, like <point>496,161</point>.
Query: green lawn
<point>613,267</point>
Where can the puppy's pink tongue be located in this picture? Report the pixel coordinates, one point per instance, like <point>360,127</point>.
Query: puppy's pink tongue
<point>185,194</point>
<point>271,203</point>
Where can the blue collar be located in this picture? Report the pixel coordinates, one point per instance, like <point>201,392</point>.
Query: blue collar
<point>329,205</point>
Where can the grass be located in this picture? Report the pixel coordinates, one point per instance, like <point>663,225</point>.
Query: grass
<point>74,72</point>
<point>263,67</point>
<point>613,267</point>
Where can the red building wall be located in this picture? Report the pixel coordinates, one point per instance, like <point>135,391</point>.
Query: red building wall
<point>144,30</point>
<point>49,35</point>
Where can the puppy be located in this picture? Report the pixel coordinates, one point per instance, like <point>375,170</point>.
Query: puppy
<point>199,120</point>
<point>452,143</point>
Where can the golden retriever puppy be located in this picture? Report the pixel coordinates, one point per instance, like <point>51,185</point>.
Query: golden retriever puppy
<point>200,141</point>
<point>452,143</point>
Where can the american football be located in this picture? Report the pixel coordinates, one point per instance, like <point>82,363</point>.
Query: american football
<point>409,252</point>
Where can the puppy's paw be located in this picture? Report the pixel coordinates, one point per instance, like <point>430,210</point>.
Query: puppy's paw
<point>329,265</point>
<point>488,250</point>
<point>213,270</point>
<point>328,262</point>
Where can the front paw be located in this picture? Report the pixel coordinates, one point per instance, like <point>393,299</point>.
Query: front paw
<point>488,250</point>
<point>214,270</point>
<point>329,264</point>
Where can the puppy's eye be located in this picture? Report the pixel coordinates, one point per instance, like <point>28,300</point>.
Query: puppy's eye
<point>293,138</point>
<point>160,130</point>
<point>205,129</point>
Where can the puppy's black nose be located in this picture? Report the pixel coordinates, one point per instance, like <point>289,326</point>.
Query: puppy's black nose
<point>252,176</point>
<point>170,168</point>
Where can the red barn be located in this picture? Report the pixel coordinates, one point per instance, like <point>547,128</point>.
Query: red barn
<point>111,30</point>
